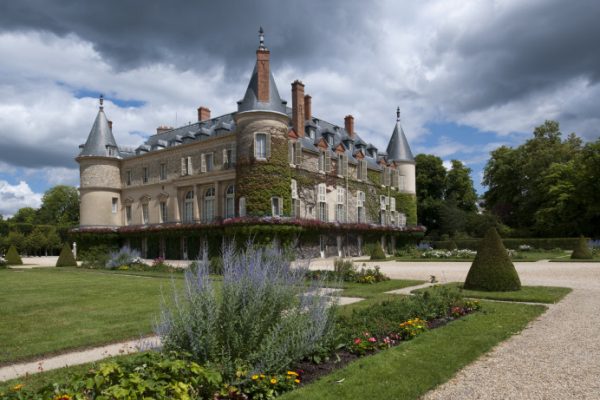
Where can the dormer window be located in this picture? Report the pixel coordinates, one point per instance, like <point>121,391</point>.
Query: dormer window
<point>112,151</point>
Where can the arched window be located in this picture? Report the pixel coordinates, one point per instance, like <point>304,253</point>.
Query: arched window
<point>188,207</point>
<point>208,211</point>
<point>230,202</point>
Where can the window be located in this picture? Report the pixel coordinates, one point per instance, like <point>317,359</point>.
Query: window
<point>392,204</point>
<point>342,165</point>
<point>128,178</point>
<point>208,211</point>
<point>261,146</point>
<point>295,200</point>
<point>360,206</point>
<point>394,179</point>
<point>228,158</point>
<point>186,166</point>
<point>276,206</point>
<point>295,153</point>
<point>206,162</point>
<point>163,171</point>
<point>294,188</point>
<point>145,213</point>
<point>145,175</point>
<point>387,176</point>
<point>382,217</point>
<point>340,214</point>
<point>401,182</point>
<point>128,215</point>
<point>341,195</point>
<point>242,207</point>
<point>230,202</point>
<point>163,212</point>
<point>188,207</point>
<point>322,201</point>
<point>361,173</point>
<point>401,219</point>
<point>383,202</point>
<point>111,151</point>
<point>329,139</point>
<point>115,205</point>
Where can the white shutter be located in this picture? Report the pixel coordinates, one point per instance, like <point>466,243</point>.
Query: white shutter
<point>294,189</point>
<point>190,169</point>
<point>202,162</point>
<point>321,161</point>
<point>298,153</point>
<point>345,166</point>
<point>268,146</point>
<point>225,160</point>
<point>290,152</point>
<point>242,207</point>
<point>359,199</point>
<point>402,183</point>
<point>382,202</point>
<point>327,166</point>
<point>233,154</point>
<point>183,166</point>
<point>395,179</point>
<point>392,203</point>
<point>321,196</point>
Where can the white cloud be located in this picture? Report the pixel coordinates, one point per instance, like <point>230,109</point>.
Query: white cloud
<point>13,197</point>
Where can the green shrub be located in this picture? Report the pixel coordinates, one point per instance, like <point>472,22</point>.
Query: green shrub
<point>377,253</point>
<point>370,275</point>
<point>13,257</point>
<point>582,251</point>
<point>95,256</point>
<point>344,269</point>
<point>66,258</point>
<point>147,376</point>
<point>492,269</point>
<point>514,243</point>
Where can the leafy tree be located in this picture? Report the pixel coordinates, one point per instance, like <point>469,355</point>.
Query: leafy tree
<point>26,215</point>
<point>60,206</point>
<point>431,185</point>
<point>459,187</point>
<point>36,242</point>
<point>582,251</point>
<point>16,239</point>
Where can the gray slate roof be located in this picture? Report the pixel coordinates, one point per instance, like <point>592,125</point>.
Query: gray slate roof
<point>250,101</point>
<point>99,138</point>
<point>398,148</point>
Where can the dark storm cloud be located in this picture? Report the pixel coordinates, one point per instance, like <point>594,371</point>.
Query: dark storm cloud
<point>191,34</point>
<point>535,47</point>
<point>23,155</point>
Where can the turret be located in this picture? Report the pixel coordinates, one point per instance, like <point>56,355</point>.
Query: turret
<point>262,129</point>
<point>398,151</point>
<point>100,176</point>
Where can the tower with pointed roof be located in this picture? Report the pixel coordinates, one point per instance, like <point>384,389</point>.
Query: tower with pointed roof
<point>100,175</point>
<point>399,153</point>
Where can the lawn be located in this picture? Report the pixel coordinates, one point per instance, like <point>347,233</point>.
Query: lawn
<point>533,294</point>
<point>50,310</point>
<point>411,369</point>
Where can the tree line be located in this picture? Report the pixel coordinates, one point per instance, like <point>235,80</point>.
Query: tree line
<point>547,187</point>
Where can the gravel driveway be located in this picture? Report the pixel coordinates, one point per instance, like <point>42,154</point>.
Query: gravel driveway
<point>556,357</point>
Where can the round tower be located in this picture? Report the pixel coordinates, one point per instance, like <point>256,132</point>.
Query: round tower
<point>399,152</point>
<point>262,170</point>
<point>100,176</point>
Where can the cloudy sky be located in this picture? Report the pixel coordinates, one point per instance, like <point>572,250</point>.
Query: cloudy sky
<point>469,76</point>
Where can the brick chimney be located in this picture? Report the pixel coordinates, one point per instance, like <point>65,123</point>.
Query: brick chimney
<point>307,107</point>
<point>349,125</point>
<point>110,125</point>
<point>298,107</point>
<point>203,114</point>
<point>163,129</point>
<point>262,69</point>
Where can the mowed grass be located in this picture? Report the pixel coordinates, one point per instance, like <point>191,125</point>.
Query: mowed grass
<point>368,291</point>
<point>51,310</point>
<point>533,294</point>
<point>413,368</point>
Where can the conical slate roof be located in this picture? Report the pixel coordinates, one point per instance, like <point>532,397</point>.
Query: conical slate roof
<point>99,138</point>
<point>398,148</point>
<point>250,101</point>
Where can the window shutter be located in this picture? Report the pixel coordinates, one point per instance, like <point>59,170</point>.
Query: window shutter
<point>327,166</point>
<point>402,183</point>
<point>345,166</point>
<point>290,152</point>
<point>340,165</point>
<point>183,166</point>
<point>393,203</point>
<point>382,202</point>
<point>297,208</point>
<point>202,162</point>
<point>242,207</point>
<point>225,160</point>
<point>268,146</point>
<point>233,154</point>
<point>395,179</point>
<point>294,189</point>
<point>326,212</point>
<point>298,154</point>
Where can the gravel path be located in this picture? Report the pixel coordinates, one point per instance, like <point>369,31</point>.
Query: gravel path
<point>556,357</point>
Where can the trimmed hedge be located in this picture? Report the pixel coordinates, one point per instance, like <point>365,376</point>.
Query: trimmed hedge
<point>582,251</point>
<point>492,270</point>
<point>512,243</point>
<point>66,258</point>
<point>377,253</point>
<point>13,257</point>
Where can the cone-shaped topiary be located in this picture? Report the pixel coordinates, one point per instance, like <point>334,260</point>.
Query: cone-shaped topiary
<point>452,245</point>
<point>492,270</point>
<point>377,253</point>
<point>13,257</point>
<point>66,259</point>
<point>582,251</point>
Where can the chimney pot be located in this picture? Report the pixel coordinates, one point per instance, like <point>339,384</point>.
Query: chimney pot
<point>307,107</point>
<point>203,114</point>
<point>349,125</point>
<point>298,110</point>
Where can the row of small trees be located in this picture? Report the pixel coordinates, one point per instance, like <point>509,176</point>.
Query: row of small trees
<point>65,259</point>
<point>41,241</point>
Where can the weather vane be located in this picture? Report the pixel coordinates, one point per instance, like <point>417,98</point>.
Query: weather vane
<point>398,114</point>
<point>101,100</point>
<point>261,38</point>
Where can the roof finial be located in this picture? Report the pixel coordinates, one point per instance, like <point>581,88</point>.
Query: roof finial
<point>261,38</point>
<point>398,114</point>
<point>101,101</point>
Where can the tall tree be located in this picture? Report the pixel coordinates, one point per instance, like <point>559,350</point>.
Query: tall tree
<point>431,184</point>
<point>26,215</point>
<point>60,205</point>
<point>459,187</point>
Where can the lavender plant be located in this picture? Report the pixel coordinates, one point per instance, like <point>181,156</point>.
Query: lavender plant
<point>124,256</point>
<point>263,318</point>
